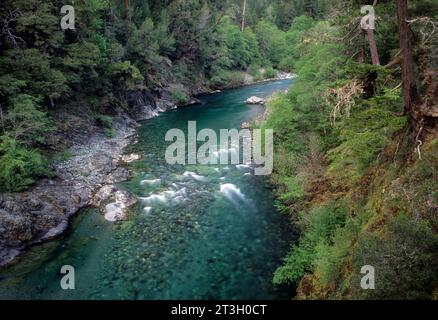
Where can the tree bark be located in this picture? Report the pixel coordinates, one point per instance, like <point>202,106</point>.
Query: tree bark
<point>362,47</point>
<point>127,18</point>
<point>373,47</point>
<point>243,15</point>
<point>409,85</point>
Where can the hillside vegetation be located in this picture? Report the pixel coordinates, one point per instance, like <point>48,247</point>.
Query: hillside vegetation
<point>355,172</point>
<point>117,47</point>
<point>356,139</point>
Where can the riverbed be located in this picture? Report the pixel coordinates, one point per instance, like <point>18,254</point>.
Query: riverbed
<point>197,232</point>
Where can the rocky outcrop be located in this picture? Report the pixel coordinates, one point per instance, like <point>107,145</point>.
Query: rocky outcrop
<point>88,178</point>
<point>43,212</point>
<point>145,105</point>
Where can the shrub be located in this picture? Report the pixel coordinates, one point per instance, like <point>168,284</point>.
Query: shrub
<point>405,259</point>
<point>179,97</point>
<point>19,166</point>
<point>319,227</point>
<point>125,75</point>
<point>364,135</point>
<point>270,73</point>
<point>254,70</point>
<point>107,123</point>
<point>236,79</point>
<point>25,122</point>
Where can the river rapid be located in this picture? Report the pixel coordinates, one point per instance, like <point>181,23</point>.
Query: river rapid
<point>197,232</point>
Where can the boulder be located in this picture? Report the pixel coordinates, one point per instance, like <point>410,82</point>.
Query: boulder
<point>118,210</point>
<point>255,100</point>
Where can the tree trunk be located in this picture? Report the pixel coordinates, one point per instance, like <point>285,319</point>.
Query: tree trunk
<point>243,15</point>
<point>127,10</point>
<point>362,46</point>
<point>373,47</point>
<point>409,85</point>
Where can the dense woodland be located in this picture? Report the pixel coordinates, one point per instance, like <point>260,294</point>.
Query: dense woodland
<point>356,145</point>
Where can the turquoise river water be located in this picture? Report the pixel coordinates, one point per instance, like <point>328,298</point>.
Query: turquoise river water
<point>197,232</point>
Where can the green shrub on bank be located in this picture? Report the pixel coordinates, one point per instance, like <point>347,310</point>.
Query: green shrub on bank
<point>179,97</point>
<point>319,226</point>
<point>227,79</point>
<point>270,73</point>
<point>405,259</point>
<point>19,166</point>
<point>107,123</point>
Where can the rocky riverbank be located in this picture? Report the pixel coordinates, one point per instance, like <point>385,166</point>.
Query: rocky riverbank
<point>88,178</point>
<point>43,212</point>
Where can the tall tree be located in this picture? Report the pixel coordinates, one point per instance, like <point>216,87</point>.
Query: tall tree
<point>410,92</point>
<point>373,46</point>
<point>362,46</point>
<point>127,10</point>
<point>243,15</point>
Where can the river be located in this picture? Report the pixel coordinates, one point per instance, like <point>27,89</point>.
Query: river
<point>197,232</point>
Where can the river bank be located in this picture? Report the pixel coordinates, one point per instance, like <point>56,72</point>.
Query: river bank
<point>88,178</point>
<point>196,232</point>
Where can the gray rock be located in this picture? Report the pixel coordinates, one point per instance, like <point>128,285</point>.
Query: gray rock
<point>255,100</point>
<point>43,212</point>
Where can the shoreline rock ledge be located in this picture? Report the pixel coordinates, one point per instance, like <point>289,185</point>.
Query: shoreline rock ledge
<point>255,100</point>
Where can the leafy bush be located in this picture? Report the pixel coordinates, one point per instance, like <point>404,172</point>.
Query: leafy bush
<point>236,79</point>
<point>365,135</point>
<point>107,123</point>
<point>125,75</point>
<point>179,97</point>
<point>270,73</point>
<point>405,259</point>
<point>331,257</point>
<point>25,122</point>
<point>319,227</point>
<point>19,166</point>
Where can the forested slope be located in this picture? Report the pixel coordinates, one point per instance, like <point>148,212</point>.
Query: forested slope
<point>55,84</point>
<point>357,154</point>
<point>356,142</point>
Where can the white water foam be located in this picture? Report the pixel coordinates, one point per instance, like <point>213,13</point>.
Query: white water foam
<point>153,182</point>
<point>243,166</point>
<point>232,193</point>
<point>195,176</point>
<point>177,196</point>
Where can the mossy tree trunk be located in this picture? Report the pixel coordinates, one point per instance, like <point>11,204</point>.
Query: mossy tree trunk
<point>410,92</point>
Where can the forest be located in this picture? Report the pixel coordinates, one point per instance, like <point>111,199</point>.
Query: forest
<point>356,139</point>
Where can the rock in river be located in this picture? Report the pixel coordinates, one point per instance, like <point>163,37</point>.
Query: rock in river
<point>255,100</point>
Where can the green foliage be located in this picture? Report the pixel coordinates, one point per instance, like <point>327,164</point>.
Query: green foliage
<point>365,134</point>
<point>272,42</point>
<point>405,259</point>
<point>125,76</point>
<point>227,79</point>
<point>31,70</point>
<point>81,62</point>
<point>357,166</point>
<point>19,166</point>
<point>332,257</point>
<point>318,229</point>
<point>107,123</point>
<point>25,122</point>
<point>179,97</point>
<point>270,73</point>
